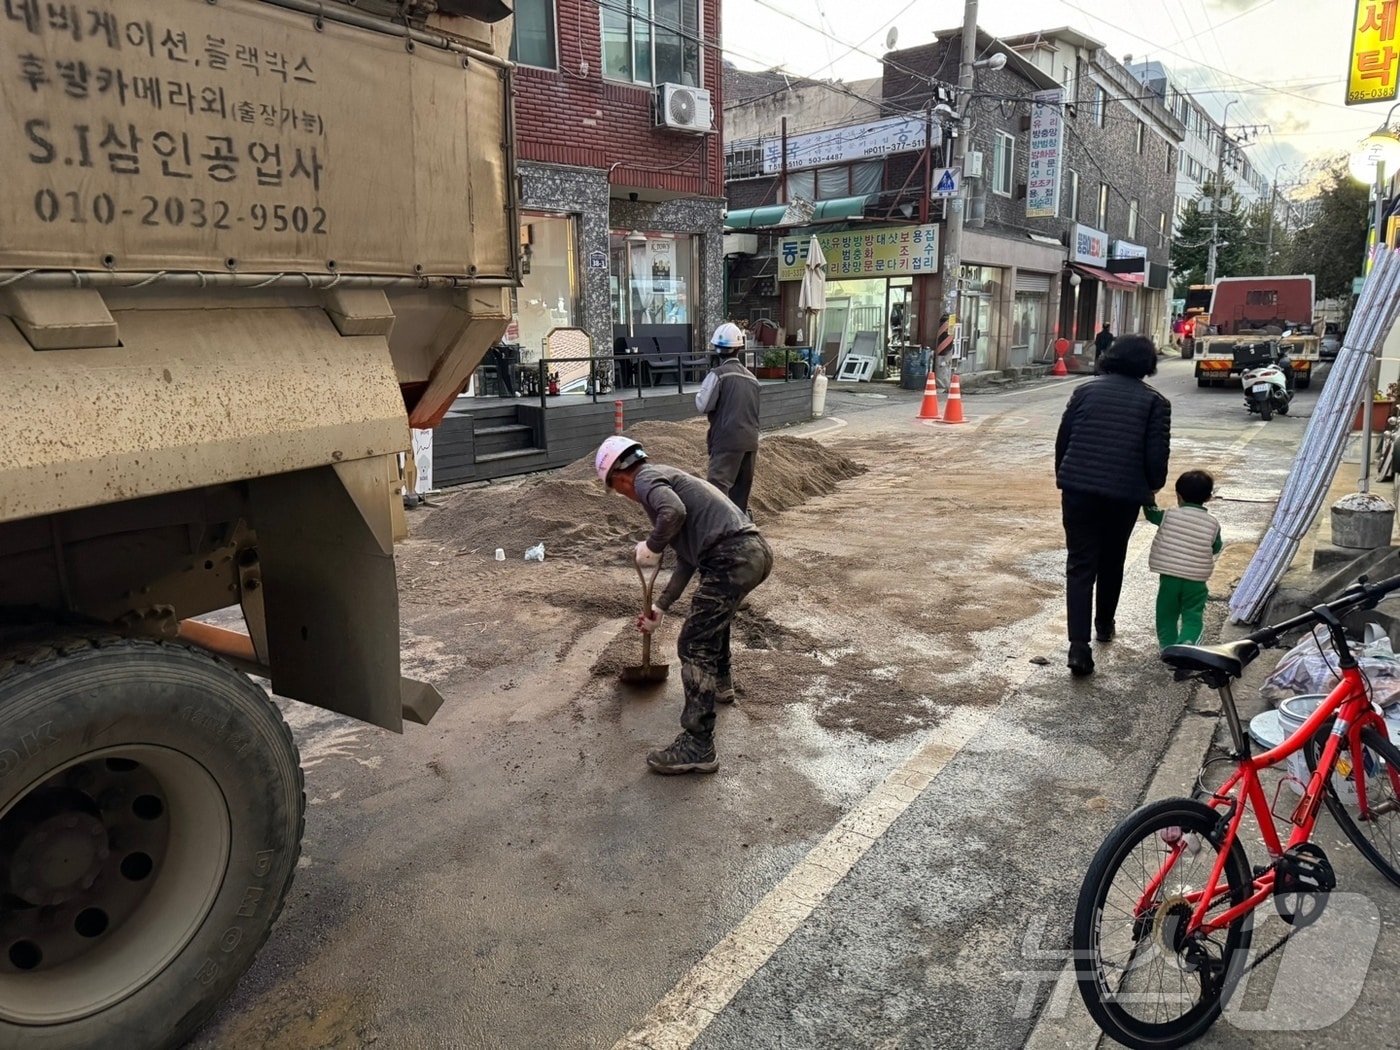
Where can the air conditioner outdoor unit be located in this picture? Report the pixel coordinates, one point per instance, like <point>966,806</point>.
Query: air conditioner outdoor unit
<point>682,108</point>
<point>972,164</point>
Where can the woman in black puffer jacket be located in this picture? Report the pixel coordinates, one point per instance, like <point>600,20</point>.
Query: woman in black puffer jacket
<point>1110,458</point>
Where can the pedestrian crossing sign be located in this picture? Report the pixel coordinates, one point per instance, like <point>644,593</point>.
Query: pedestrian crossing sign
<point>945,183</point>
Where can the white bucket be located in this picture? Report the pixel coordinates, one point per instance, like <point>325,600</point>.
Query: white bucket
<point>1291,715</point>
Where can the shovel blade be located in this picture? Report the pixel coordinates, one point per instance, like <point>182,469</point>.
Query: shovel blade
<point>646,675</point>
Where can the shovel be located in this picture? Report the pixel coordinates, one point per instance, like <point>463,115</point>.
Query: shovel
<point>648,673</point>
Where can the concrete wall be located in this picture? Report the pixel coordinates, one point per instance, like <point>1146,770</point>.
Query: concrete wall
<point>758,101</point>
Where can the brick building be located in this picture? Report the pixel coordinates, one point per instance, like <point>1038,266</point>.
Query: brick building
<point>1103,256</point>
<point>1032,269</point>
<point>617,121</point>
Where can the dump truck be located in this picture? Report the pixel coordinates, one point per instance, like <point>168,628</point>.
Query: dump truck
<point>245,247</point>
<point>1244,310</point>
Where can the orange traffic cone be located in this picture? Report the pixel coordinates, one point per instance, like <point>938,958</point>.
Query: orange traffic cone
<point>929,409</point>
<point>955,412</point>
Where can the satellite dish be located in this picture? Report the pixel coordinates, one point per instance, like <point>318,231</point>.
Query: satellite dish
<point>891,38</point>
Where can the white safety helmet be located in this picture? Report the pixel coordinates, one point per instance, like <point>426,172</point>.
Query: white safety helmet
<point>616,453</point>
<point>728,336</point>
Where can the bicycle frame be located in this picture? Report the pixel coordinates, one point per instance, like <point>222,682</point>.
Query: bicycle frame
<point>1350,705</point>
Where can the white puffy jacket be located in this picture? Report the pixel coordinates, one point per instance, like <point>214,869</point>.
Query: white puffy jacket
<point>1184,544</point>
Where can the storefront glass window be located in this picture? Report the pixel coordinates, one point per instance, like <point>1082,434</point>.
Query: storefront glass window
<point>653,283</point>
<point>1028,337</point>
<point>977,317</point>
<point>548,295</point>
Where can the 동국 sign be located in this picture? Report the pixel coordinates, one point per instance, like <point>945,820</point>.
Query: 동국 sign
<point>1371,72</point>
<point>1088,246</point>
<point>1043,166</point>
<point>144,134</point>
<point>864,253</point>
<point>852,143</point>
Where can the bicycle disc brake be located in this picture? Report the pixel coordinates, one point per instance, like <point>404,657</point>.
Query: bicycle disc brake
<point>1303,877</point>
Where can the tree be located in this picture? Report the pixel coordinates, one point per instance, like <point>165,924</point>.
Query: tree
<point>1191,241</point>
<point>1333,246</point>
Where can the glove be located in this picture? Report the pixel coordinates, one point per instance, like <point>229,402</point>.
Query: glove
<point>648,623</point>
<point>646,557</point>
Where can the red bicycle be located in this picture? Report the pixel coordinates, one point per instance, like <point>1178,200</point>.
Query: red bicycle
<point>1164,921</point>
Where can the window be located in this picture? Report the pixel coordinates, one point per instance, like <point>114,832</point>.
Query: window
<point>652,41</point>
<point>1072,205</point>
<point>1100,105</point>
<point>1103,206</point>
<point>1161,228</point>
<point>1167,161</point>
<point>1141,137</point>
<point>1003,164</point>
<point>533,41</point>
<point>1132,219</point>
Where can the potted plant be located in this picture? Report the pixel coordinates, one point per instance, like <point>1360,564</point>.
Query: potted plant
<point>1381,407</point>
<point>773,364</point>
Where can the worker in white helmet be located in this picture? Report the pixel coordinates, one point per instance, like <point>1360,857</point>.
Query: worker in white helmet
<point>710,537</point>
<point>729,396</point>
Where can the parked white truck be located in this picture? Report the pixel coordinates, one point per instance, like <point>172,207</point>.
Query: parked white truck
<point>245,245</point>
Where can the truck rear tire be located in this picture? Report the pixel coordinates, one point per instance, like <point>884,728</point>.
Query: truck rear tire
<point>1302,382</point>
<point>151,811</point>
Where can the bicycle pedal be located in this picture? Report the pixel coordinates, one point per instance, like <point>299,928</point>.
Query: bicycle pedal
<point>1304,869</point>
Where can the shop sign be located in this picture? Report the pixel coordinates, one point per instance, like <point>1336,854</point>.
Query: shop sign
<point>854,142</point>
<point>1125,250</point>
<point>1088,245</point>
<point>891,252</point>
<point>1371,71</point>
<point>1043,171</point>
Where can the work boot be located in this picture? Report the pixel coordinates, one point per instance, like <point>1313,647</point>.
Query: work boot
<point>688,754</point>
<point>1105,630</point>
<point>1081,659</point>
<point>724,689</point>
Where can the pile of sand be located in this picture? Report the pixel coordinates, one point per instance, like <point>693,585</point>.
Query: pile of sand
<point>571,513</point>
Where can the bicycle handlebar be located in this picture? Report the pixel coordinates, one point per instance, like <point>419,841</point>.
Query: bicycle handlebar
<point>1360,595</point>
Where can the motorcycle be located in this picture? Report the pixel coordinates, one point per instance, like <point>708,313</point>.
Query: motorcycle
<point>1268,387</point>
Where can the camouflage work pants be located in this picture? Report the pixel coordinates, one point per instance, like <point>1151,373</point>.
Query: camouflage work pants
<point>728,571</point>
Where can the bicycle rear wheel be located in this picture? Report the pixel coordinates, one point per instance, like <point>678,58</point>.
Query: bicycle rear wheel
<point>1377,838</point>
<point>1145,982</point>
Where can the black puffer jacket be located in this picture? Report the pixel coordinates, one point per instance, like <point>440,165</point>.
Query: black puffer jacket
<point>1114,440</point>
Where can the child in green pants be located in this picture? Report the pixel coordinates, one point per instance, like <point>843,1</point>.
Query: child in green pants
<point>1183,554</point>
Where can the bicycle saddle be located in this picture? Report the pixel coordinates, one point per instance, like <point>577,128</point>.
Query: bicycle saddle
<point>1229,658</point>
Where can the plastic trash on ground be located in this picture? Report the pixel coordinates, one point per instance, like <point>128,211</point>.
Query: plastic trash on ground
<point>535,553</point>
<point>1308,668</point>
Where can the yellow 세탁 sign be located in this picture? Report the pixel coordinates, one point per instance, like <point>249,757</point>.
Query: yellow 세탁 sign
<point>1371,75</point>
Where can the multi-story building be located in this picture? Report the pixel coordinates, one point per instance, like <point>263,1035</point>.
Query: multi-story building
<point>618,111</point>
<point>1111,227</point>
<point>1045,253</point>
<point>1200,148</point>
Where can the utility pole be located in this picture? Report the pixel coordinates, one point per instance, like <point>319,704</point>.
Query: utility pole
<point>953,228</point>
<point>1244,132</point>
<point>1273,203</point>
<point>1215,194</point>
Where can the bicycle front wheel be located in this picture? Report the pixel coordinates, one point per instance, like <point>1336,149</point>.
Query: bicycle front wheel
<point>1146,981</point>
<point>1377,837</point>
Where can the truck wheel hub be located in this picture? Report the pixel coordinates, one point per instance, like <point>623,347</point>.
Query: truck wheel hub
<point>60,857</point>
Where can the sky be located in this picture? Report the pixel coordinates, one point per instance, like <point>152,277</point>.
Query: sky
<point>1284,60</point>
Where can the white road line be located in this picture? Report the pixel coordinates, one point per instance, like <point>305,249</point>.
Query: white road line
<point>679,1018</point>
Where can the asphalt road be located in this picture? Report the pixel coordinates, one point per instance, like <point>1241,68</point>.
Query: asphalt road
<point>480,884</point>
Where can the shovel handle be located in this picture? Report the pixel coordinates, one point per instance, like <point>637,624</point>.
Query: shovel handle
<point>647,585</point>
